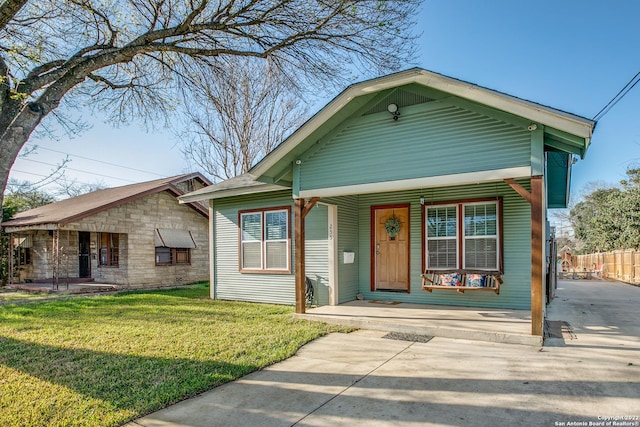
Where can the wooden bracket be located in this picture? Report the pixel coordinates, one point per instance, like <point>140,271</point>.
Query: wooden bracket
<point>309,205</point>
<point>519,189</point>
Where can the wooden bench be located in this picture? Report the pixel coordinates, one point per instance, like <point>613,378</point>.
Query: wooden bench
<point>467,280</point>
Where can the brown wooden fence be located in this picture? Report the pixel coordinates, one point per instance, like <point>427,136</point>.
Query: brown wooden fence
<point>623,265</point>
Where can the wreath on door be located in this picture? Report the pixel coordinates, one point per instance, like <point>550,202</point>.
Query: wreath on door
<point>392,226</point>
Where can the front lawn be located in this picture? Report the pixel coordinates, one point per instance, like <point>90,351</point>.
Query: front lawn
<point>10,295</point>
<point>101,361</point>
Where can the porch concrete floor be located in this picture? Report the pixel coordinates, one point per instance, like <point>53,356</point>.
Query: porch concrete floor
<point>472,323</point>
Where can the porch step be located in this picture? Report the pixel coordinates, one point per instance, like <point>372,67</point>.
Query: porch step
<point>427,330</point>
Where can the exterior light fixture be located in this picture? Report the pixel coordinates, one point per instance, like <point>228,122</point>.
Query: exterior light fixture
<point>393,109</point>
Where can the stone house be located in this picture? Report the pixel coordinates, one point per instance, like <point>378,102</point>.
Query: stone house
<point>136,235</point>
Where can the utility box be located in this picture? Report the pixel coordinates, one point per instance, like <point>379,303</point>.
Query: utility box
<point>349,257</point>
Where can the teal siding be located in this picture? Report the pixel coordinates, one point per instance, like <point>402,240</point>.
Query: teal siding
<point>354,235</point>
<point>428,140</point>
<point>348,227</point>
<point>317,252</point>
<point>514,293</point>
<point>230,283</point>
<point>280,288</point>
<point>558,174</point>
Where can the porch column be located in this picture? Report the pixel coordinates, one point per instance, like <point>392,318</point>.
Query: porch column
<point>535,198</point>
<point>67,253</point>
<point>56,258</point>
<point>299,249</point>
<point>11,272</point>
<point>537,256</point>
<point>301,209</point>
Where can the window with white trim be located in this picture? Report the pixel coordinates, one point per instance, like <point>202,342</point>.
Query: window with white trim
<point>265,240</point>
<point>442,237</point>
<point>463,235</point>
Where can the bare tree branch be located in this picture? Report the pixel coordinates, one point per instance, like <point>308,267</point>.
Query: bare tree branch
<point>131,56</point>
<point>8,10</point>
<point>240,118</point>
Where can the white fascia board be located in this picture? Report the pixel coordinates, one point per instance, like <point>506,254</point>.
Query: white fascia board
<point>419,183</point>
<point>220,194</point>
<point>548,116</point>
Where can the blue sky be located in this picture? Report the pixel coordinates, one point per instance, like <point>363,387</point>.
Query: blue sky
<point>570,55</point>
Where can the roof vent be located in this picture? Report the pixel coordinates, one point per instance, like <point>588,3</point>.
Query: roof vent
<point>401,98</point>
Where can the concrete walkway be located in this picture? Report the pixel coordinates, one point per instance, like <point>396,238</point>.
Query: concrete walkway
<point>590,373</point>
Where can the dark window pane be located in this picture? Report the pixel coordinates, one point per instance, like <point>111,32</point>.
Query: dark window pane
<point>252,226</point>
<point>163,255</point>
<point>276,225</point>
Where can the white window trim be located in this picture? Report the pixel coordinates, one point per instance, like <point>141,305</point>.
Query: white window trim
<point>427,238</point>
<point>497,236</point>
<point>263,242</point>
<point>242,241</point>
<point>461,239</point>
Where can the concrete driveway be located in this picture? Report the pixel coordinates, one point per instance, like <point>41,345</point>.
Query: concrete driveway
<point>590,374</point>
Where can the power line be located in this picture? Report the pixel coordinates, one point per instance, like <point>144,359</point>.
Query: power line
<point>78,170</point>
<point>29,173</point>
<point>634,81</point>
<point>98,161</point>
<point>31,184</point>
<point>54,181</point>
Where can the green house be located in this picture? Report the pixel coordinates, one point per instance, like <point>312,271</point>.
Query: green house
<point>398,175</point>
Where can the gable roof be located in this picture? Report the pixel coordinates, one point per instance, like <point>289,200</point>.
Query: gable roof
<point>565,126</point>
<point>76,208</point>
<point>564,133</point>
